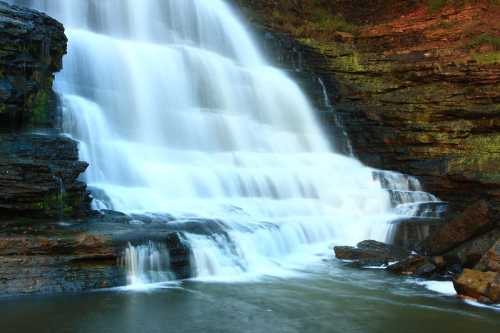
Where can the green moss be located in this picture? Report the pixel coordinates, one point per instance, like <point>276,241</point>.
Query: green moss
<point>485,39</point>
<point>481,159</point>
<point>40,110</point>
<point>487,58</point>
<point>55,204</point>
<point>436,5</point>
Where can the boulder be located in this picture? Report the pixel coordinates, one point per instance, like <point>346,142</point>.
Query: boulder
<point>472,222</point>
<point>482,286</point>
<point>371,253</point>
<point>491,259</point>
<point>414,265</point>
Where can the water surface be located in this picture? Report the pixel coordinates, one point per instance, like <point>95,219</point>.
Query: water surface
<point>333,298</point>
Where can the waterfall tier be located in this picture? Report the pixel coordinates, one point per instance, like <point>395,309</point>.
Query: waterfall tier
<point>177,112</point>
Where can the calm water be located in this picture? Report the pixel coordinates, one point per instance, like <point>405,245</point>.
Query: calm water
<point>333,299</point>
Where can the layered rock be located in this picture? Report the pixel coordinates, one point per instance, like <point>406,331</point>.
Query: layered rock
<point>416,85</point>
<point>31,49</point>
<point>52,257</point>
<point>39,176</point>
<point>38,173</point>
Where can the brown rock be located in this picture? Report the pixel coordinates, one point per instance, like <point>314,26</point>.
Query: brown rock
<point>370,252</point>
<point>470,253</point>
<point>491,259</point>
<point>472,222</point>
<point>414,265</point>
<point>482,286</point>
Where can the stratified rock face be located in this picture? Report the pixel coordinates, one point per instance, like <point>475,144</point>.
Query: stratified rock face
<point>31,49</point>
<point>38,176</point>
<point>43,258</point>
<point>416,83</point>
<point>38,173</point>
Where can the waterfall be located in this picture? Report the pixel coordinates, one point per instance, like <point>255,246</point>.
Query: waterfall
<point>177,112</point>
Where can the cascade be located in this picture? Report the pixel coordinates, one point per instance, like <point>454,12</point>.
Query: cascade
<point>177,112</point>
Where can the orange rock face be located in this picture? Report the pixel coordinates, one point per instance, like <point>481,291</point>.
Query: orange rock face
<point>482,286</point>
<point>416,84</point>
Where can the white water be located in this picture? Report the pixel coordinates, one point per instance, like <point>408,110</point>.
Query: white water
<point>177,112</point>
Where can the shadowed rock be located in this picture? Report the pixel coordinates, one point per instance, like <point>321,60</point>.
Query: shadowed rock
<point>472,222</point>
<point>370,253</point>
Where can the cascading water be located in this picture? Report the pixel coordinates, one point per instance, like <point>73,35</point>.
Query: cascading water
<point>177,112</point>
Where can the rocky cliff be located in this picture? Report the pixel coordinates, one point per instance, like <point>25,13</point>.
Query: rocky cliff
<point>31,49</point>
<point>38,173</point>
<point>416,84</point>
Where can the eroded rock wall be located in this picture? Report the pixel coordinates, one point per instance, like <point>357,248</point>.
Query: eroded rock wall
<point>415,83</point>
<point>38,173</point>
<point>31,49</point>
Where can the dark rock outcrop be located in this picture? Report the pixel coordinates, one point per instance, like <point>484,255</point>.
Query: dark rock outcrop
<point>409,233</point>
<point>474,221</point>
<point>469,253</point>
<point>31,49</point>
<point>39,176</point>
<point>371,253</point>
<point>491,259</point>
<point>38,173</point>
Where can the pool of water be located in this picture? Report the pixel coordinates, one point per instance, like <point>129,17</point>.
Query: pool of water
<point>329,297</point>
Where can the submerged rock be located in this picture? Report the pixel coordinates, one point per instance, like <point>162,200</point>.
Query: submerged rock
<point>371,253</point>
<point>482,286</point>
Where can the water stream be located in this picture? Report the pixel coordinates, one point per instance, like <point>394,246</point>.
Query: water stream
<point>177,112</point>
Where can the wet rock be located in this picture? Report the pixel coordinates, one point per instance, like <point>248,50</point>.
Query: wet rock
<point>472,222</point>
<point>408,233</point>
<point>470,253</point>
<point>77,255</point>
<point>370,253</point>
<point>482,286</point>
<point>413,265</point>
<point>39,176</point>
<point>491,259</point>
<point>32,47</point>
